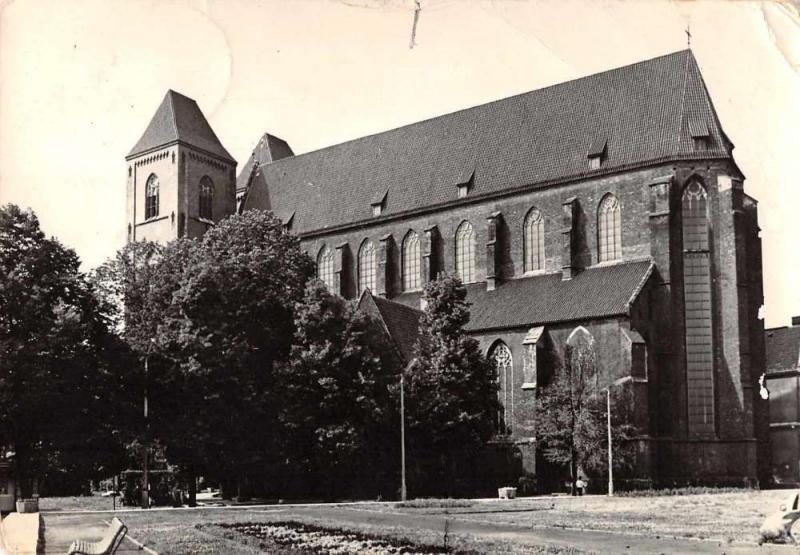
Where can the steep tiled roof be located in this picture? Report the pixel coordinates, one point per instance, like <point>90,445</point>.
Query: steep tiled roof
<point>401,321</point>
<point>268,149</point>
<point>783,348</point>
<point>597,292</point>
<point>643,112</point>
<point>179,118</point>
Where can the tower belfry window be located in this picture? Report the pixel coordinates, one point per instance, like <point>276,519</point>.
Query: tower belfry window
<point>151,197</point>
<point>206,198</point>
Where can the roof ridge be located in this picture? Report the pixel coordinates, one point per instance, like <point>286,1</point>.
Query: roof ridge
<point>171,95</point>
<point>496,101</point>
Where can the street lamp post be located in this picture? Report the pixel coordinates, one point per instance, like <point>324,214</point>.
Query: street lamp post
<point>145,470</point>
<point>610,456</point>
<point>402,438</point>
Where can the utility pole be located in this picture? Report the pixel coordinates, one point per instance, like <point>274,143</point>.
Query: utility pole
<point>402,437</point>
<point>610,459</point>
<point>145,472</point>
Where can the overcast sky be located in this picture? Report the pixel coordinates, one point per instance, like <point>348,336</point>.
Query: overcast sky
<point>79,82</point>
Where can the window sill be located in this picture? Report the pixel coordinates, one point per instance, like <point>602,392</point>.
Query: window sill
<point>151,220</point>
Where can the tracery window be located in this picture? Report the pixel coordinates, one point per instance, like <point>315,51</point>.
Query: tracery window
<point>504,371</point>
<point>325,269</point>
<point>609,229</point>
<point>151,197</point>
<point>411,262</point>
<point>367,267</point>
<point>698,313</point>
<point>206,198</point>
<point>534,240</point>
<point>465,252</point>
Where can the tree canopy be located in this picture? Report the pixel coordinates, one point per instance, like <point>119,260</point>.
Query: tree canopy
<point>571,416</point>
<point>451,395</point>
<point>57,386</point>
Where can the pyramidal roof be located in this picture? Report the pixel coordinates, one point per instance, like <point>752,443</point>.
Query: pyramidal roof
<point>641,114</point>
<point>179,119</point>
<point>268,149</point>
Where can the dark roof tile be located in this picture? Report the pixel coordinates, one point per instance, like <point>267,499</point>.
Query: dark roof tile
<point>642,110</point>
<point>179,118</point>
<point>548,299</point>
<point>783,348</point>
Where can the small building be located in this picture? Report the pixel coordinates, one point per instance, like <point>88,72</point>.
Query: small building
<point>783,383</point>
<point>8,486</point>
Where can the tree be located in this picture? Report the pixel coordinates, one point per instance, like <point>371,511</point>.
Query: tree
<point>338,414</point>
<point>56,356</point>
<point>571,416</point>
<point>451,394</point>
<point>229,323</point>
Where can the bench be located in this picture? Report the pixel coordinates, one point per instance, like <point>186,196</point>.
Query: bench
<point>107,546</point>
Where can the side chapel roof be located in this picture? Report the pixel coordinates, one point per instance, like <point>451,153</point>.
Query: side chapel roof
<point>549,299</point>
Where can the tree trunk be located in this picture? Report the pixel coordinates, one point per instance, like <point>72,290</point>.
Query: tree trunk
<point>573,470</point>
<point>192,486</point>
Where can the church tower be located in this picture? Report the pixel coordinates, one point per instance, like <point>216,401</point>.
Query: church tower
<point>181,180</point>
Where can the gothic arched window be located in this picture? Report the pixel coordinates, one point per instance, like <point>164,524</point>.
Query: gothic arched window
<point>410,262</point>
<point>580,360</point>
<point>465,252</point>
<point>504,370</point>
<point>609,229</point>
<point>367,267</point>
<point>533,236</point>
<point>325,269</point>
<point>698,312</point>
<point>206,197</point>
<point>151,197</point>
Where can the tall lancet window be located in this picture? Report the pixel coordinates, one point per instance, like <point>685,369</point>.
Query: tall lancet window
<point>504,369</point>
<point>609,229</point>
<point>367,267</point>
<point>465,252</point>
<point>206,198</point>
<point>151,197</point>
<point>411,262</point>
<point>698,319</point>
<point>325,269</point>
<point>534,241</point>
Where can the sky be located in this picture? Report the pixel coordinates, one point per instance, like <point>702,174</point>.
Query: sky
<point>80,80</point>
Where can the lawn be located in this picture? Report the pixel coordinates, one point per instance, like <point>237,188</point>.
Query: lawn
<point>215,531</point>
<point>730,516</point>
<point>727,517</point>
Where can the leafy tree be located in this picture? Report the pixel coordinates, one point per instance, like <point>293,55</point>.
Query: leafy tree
<point>229,324</point>
<point>339,417</point>
<point>571,416</point>
<point>451,395</point>
<point>56,356</point>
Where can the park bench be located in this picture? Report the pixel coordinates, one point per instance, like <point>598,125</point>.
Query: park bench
<point>107,546</point>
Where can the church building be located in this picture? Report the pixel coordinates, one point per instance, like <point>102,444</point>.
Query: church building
<point>606,210</point>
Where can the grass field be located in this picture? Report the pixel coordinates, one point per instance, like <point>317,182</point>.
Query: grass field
<point>730,516</point>
<point>199,532</point>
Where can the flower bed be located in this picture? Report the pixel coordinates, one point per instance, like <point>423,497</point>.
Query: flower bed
<point>306,538</point>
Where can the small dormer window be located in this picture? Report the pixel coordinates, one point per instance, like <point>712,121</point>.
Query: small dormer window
<point>465,181</point>
<point>378,202</point>
<point>597,152</point>
<point>698,129</point>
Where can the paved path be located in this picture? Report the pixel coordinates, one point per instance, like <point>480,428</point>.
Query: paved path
<point>599,542</point>
<point>60,532</point>
<point>66,527</point>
